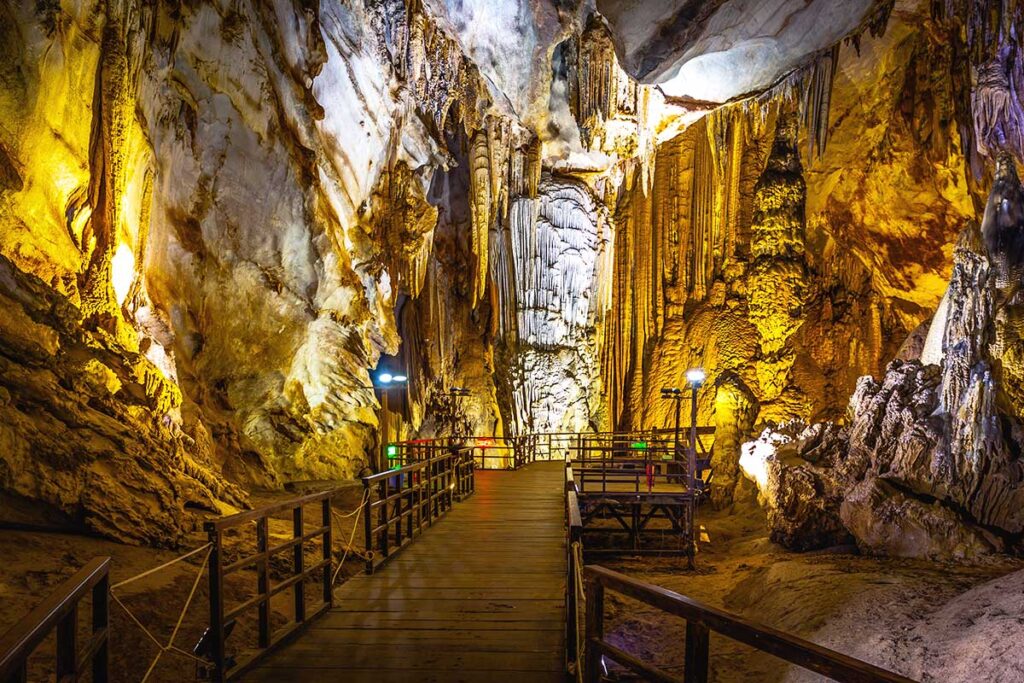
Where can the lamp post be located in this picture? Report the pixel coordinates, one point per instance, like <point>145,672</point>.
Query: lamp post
<point>695,377</point>
<point>386,381</point>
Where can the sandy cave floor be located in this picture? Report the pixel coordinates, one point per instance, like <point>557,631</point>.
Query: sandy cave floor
<point>935,622</point>
<point>32,564</point>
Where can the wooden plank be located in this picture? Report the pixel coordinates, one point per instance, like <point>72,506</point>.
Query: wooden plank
<point>301,656</point>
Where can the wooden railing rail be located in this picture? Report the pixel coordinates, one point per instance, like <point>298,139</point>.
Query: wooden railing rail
<point>701,620</point>
<point>574,558</point>
<point>410,498</point>
<point>221,617</point>
<point>59,611</point>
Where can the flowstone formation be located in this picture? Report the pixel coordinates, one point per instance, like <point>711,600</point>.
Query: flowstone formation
<point>794,282</point>
<point>557,244</point>
<point>930,462</point>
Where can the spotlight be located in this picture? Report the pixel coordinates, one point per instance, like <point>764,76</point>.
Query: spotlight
<point>399,378</point>
<point>385,378</point>
<point>695,376</point>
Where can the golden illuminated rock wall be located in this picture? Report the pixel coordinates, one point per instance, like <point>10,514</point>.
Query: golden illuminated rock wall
<point>236,195</point>
<point>791,268</point>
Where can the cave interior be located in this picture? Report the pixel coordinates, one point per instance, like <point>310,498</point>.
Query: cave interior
<point>252,250</point>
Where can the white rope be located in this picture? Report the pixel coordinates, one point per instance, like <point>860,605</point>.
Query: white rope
<point>163,566</point>
<point>352,536</point>
<point>169,647</point>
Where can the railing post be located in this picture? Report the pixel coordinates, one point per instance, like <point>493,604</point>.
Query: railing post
<point>216,605</point>
<point>263,581</point>
<point>399,509</point>
<point>410,506</point>
<point>368,525</point>
<point>382,516</point>
<point>695,663</point>
<point>594,631</point>
<point>328,546</point>
<point>298,565</point>
<point>101,622</point>
<point>67,645</point>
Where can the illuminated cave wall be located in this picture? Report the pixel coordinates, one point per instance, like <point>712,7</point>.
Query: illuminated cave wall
<point>795,270</point>
<point>262,182</point>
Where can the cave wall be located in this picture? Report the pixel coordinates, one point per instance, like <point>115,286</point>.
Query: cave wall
<point>216,217</point>
<point>223,203</point>
<point>779,256</point>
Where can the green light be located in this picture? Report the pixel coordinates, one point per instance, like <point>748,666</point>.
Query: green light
<point>638,445</point>
<point>392,450</point>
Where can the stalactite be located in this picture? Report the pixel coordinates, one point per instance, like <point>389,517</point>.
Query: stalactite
<point>986,39</point>
<point>480,205</point>
<point>702,217</point>
<point>816,100</point>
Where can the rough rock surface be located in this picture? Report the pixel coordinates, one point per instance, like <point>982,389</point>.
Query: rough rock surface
<point>102,415</point>
<point>929,464</point>
<point>715,51</point>
<point>794,472</point>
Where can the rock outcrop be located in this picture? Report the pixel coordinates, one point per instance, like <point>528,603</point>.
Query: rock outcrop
<point>930,462</point>
<point>87,425</point>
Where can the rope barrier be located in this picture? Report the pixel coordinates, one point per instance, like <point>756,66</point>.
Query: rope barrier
<point>352,536</point>
<point>163,566</point>
<point>169,647</point>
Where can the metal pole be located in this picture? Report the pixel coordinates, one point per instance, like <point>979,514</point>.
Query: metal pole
<point>692,467</point>
<point>678,397</point>
<point>383,430</point>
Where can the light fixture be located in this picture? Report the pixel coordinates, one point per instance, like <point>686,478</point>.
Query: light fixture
<point>399,378</point>
<point>385,378</point>
<point>695,376</point>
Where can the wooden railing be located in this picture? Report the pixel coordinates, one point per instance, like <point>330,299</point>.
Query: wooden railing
<point>401,502</point>
<point>574,567</point>
<point>488,453</point>
<point>701,620</point>
<point>221,618</point>
<point>59,612</point>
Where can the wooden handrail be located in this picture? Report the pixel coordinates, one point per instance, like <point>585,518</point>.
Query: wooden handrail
<point>409,499</point>
<point>59,611</point>
<point>700,620</point>
<point>229,521</point>
<point>267,638</point>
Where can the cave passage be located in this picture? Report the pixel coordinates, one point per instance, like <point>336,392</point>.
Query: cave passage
<point>720,298</point>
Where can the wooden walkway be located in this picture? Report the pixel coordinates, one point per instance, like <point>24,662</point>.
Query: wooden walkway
<point>479,597</point>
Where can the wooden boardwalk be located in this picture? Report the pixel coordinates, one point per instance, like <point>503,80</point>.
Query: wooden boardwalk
<point>479,597</point>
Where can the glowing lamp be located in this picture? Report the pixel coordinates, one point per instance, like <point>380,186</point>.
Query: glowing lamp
<point>385,378</point>
<point>399,378</point>
<point>392,451</point>
<point>638,445</point>
<point>695,376</point>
